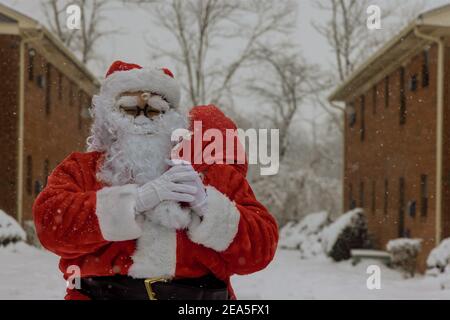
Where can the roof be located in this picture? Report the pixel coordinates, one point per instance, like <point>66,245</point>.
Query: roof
<point>394,53</point>
<point>14,22</point>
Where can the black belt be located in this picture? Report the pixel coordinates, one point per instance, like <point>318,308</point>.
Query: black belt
<point>126,288</point>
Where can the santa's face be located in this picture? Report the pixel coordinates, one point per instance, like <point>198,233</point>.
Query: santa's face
<point>135,133</point>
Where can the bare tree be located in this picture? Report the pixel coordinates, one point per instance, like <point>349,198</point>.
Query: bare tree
<point>54,11</point>
<point>303,185</point>
<point>347,34</point>
<point>352,42</point>
<point>82,41</point>
<point>197,26</point>
<point>287,83</point>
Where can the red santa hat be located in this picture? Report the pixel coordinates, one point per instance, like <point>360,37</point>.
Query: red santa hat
<point>122,77</point>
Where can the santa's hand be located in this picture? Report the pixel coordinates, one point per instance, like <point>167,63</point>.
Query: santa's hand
<point>200,197</point>
<point>199,203</point>
<point>173,185</point>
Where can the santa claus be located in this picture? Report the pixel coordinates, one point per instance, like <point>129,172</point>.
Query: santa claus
<point>139,225</point>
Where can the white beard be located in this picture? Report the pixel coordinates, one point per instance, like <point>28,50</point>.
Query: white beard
<point>135,152</point>
<point>139,148</point>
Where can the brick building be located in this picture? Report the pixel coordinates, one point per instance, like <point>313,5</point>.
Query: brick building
<point>397,135</point>
<point>45,93</point>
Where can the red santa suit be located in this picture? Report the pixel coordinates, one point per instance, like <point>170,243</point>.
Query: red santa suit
<point>94,226</point>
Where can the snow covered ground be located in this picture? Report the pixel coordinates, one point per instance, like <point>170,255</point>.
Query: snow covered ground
<point>289,277</point>
<point>29,273</point>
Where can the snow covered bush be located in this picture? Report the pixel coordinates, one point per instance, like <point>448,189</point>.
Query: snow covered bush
<point>404,254</point>
<point>305,235</point>
<point>439,258</point>
<point>288,235</point>
<point>292,194</point>
<point>348,232</point>
<point>10,230</point>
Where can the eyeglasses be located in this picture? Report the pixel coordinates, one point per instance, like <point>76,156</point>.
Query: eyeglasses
<point>135,111</point>
<point>130,105</point>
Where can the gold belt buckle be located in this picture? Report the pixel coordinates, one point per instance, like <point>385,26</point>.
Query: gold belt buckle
<point>148,286</point>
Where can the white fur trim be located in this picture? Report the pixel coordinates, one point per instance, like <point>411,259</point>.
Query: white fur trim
<point>156,252</point>
<point>219,223</point>
<point>116,213</point>
<point>171,215</point>
<point>154,80</point>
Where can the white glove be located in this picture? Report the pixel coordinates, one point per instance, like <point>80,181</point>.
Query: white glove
<point>200,197</point>
<point>199,203</point>
<point>171,185</point>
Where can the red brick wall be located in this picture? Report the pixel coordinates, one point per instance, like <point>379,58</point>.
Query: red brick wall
<point>50,136</point>
<point>391,151</point>
<point>9,90</point>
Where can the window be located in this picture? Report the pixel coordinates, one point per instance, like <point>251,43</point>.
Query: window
<point>386,92</point>
<point>60,86</point>
<point>401,208</point>
<point>80,109</point>
<point>363,122</point>
<point>423,195</point>
<point>386,196</point>
<point>407,233</point>
<point>350,196</point>
<point>361,194</point>
<point>40,80</point>
<point>351,115</point>
<point>351,200</point>
<point>37,187</point>
<point>374,100</point>
<point>29,181</point>
<point>71,94</point>
<point>402,96</point>
<point>31,55</point>
<point>412,208</point>
<point>48,90</point>
<point>46,170</point>
<point>426,69</point>
<point>373,196</point>
<point>413,83</point>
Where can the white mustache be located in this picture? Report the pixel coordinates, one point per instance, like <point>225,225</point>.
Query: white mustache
<point>158,103</point>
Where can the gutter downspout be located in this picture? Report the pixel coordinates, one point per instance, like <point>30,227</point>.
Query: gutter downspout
<point>439,128</point>
<point>20,142</point>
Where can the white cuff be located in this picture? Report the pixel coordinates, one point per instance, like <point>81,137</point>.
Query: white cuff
<point>116,213</point>
<point>219,223</point>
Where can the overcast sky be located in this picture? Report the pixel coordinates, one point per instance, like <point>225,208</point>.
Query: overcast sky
<point>129,43</point>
